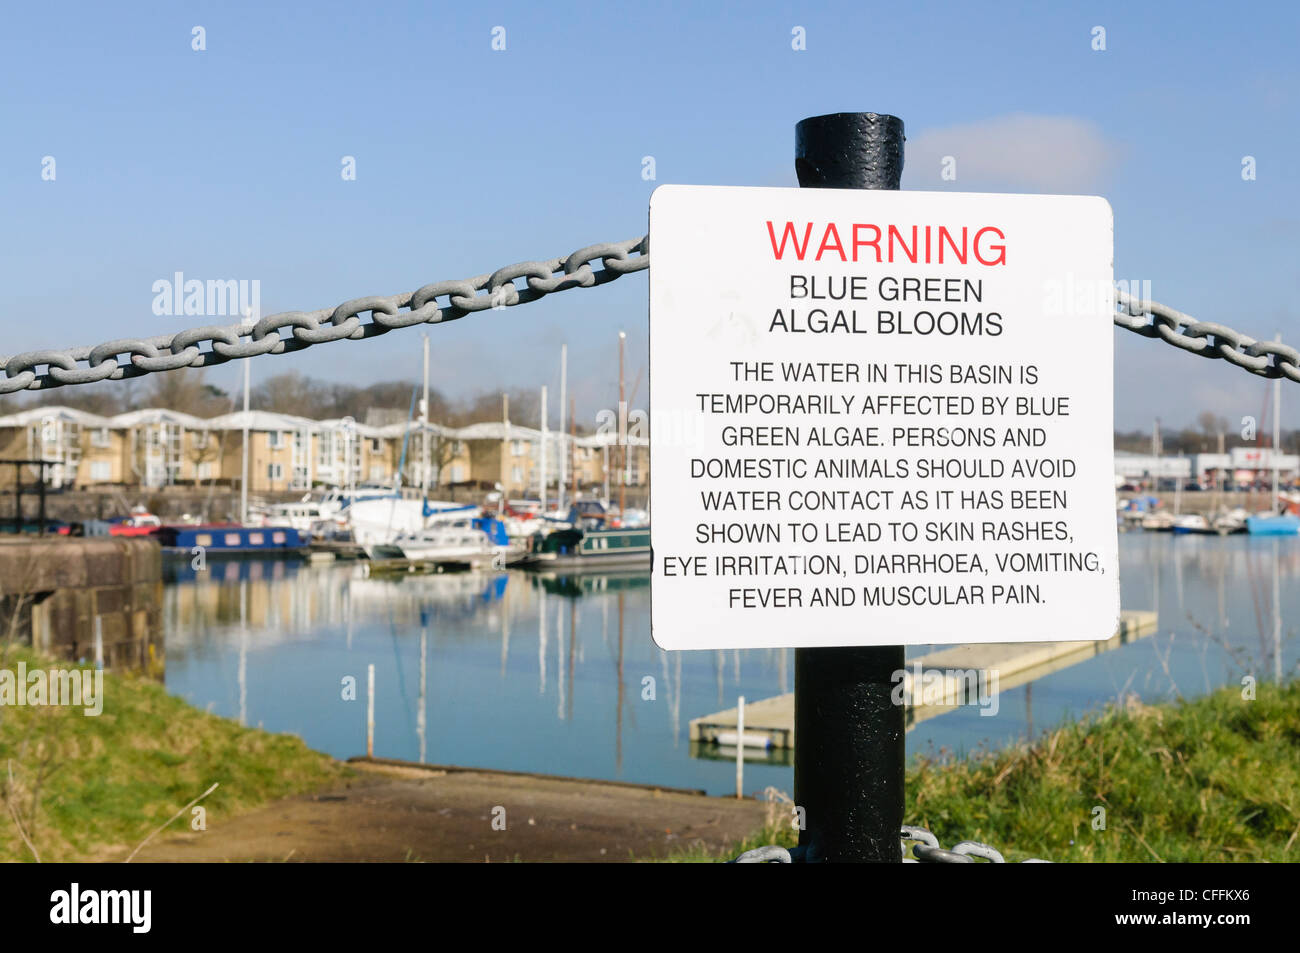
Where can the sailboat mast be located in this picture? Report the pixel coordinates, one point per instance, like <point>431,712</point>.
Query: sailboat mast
<point>541,482</point>
<point>245,452</point>
<point>1277,431</point>
<point>622,431</point>
<point>564,384</point>
<point>1155,451</point>
<point>424,423</point>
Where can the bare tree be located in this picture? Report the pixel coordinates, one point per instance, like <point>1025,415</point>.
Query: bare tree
<point>186,392</point>
<point>289,393</point>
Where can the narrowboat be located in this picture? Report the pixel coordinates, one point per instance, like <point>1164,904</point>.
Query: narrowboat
<point>217,540</point>
<point>572,549</point>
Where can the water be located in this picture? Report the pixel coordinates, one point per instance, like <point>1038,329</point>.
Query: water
<point>528,674</point>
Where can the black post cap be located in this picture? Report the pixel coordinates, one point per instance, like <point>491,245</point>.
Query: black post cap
<point>849,151</point>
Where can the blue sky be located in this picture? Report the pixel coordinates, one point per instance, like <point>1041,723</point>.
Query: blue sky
<point>226,163</point>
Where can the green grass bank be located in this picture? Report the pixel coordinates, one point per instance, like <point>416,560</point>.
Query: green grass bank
<point>80,787</point>
<point>1213,779</point>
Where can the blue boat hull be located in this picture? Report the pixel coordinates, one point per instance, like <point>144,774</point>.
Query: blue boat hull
<point>216,540</point>
<point>1284,525</point>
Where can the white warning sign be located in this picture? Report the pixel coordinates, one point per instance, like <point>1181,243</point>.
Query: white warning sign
<point>880,418</point>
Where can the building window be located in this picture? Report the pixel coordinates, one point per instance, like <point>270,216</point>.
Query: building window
<point>275,440</point>
<point>516,475</point>
<point>99,437</point>
<point>274,471</point>
<point>200,439</point>
<point>101,471</point>
<point>374,444</point>
<point>517,448</point>
<point>205,470</point>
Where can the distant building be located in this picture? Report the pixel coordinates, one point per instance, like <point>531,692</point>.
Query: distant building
<point>161,447</point>
<point>1241,466</point>
<point>157,448</point>
<point>1146,468</point>
<point>64,437</point>
<point>1244,466</point>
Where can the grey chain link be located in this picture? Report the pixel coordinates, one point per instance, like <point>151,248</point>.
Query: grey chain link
<point>498,290</point>
<point>926,850</point>
<point>251,338</point>
<point>1216,341</point>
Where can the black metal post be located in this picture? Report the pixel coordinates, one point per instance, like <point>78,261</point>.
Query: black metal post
<point>18,498</point>
<point>849,736</point>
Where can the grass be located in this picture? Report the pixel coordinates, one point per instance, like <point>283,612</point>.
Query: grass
<point>83,785</point>
<point>1213,779</point>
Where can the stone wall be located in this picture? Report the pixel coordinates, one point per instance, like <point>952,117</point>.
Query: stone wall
<point>52,589</point>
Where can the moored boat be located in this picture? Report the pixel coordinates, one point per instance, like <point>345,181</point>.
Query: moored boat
<point>575,548</point>
<point>1192,523</point>
<point>1230,521</point>
<point>1284,518</point>
<point>1158,522</point>
<point>140,523</point>
<point>380,520</point>
<point>221,539</point>
<point>466,540</point>
<point>1282,524</point>
<point>302,515</point>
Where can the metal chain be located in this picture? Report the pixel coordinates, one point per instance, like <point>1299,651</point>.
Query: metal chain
<point>498,290</point>
<point>252,337</point>
<point>926,849</point>
<point>1265,358</point>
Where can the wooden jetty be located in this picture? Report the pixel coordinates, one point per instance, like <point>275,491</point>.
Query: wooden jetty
<point>328,549</point>
<point>770,721</point>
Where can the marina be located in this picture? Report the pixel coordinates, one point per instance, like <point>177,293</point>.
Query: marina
<point>724,474</point>
<point>546,671</point>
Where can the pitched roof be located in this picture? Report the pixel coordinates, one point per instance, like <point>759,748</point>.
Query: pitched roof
<point>23,418</point>
<point>156,415</point>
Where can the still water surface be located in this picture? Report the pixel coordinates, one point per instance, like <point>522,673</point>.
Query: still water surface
<point>530,674</point>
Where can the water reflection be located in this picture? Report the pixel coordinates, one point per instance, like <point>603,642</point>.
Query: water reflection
<point>270,643</point>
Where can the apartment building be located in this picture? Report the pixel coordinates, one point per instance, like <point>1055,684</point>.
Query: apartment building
<point>64,437</point>
<point>156,447</point>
